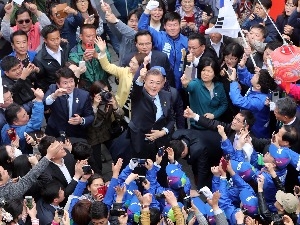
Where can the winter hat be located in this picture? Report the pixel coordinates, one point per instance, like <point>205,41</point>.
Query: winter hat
<point>249,201</point>
<point>281,156</point>
<point>288,201</point>
<point>161,69</point>
<point>176,177</point>
<point>244,169</point>
<point>168,211</point>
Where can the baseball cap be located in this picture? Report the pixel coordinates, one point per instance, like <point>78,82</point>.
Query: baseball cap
<point>288,201</point>
<point>176,177</point>
<point>281,155</point>
<point>244,169</point>
<point>161,69</point>
<point>249,201</point>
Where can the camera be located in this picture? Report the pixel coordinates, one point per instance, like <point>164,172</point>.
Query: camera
<point>160,196</point>
<point>106,96</point>
<point>60,212</point>
<point>87,169</point>
<point>117,212</point>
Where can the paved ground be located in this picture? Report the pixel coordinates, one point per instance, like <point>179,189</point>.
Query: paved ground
<point>107,173</point>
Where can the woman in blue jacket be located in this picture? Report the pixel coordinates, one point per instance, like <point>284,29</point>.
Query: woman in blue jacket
<point>207,97</point>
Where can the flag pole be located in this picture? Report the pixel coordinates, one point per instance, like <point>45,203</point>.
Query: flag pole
<point>251,55</point>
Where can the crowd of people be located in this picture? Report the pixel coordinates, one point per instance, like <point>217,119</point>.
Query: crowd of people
<point>182,94</point>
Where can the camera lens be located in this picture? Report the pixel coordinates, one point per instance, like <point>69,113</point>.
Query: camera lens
<point>105,96</point>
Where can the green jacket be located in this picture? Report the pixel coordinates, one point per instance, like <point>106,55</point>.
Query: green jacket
<point>94,70</point>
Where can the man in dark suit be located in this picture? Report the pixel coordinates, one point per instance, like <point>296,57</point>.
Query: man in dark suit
<point>144,43</point>
<point>285,113</point>
<point>71,108</point>
<point>62,167</point>
<point>206,143</point>
<point>152,118</point>
<point>53,56</point>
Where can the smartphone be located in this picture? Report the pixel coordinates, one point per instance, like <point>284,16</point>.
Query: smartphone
<point>28,200</point>
<point>91,17</point>
<point>60,212</point>
<point>87,169</point>
<point>202,197</point>
<point>102,190</point>
<point>208,10</point>
<point>117,212</point>
<point>229,71</point>
<point>81,64</point>
<point>142,179</point>
<point>89,46</point>
<point>141,162</point>
<point>245,124</point>
<point>160,196</point>
<point>275,96</point>
<point>188,71</point>
<point>11,132</point>
<point>189,19</point>
<point>62,135</point>
<point>161,151</point>
<point>187,202</point>
<point>224,163</point>
<point>273,137</point>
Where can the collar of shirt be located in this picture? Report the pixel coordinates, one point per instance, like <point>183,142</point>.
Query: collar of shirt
<point>62,163</point>
<point>52,52</point>
<point>291,121</point>
<point>55,207</point>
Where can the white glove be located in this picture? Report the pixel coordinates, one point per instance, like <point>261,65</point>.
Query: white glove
<point>133,164</point>
<point>206,191</point>
<point>152,5</point>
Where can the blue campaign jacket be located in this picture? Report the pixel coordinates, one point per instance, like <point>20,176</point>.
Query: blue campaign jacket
<point>237,155</point>
<point>175,48</point>
<point>34,124</point>
<point>253,101</point>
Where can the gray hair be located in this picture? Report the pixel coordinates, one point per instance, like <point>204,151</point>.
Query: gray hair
<point>286,107</point>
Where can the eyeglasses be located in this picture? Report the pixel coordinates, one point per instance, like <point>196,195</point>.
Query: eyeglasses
<point>145,44</point>
<point>194,48</point>
<point>231,58</point>
<point>22,21</point>
<point>238,120</point>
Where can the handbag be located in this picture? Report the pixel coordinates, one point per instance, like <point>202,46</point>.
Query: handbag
<point>117,127</point>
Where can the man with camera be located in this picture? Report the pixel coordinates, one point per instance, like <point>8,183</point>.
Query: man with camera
<point>71,108</point>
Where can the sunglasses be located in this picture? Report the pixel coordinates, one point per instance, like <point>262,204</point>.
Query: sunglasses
<point>22,21</point>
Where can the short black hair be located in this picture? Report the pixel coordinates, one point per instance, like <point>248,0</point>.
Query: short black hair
<point>138,12</point>
<point>5,89</point>
<point>14,207</point>
<point>290,135</point>
<point>94,177</point>
<point>17,33</point>
<point>86,26</point>
<point>50,191</point>
<point>98,210</point>
<point>178,147</point>
<point>234,49</point>
<point>204,62</point>
<point>286,107</point>
<point>22,10</point>
<point>154,216</point>
<point>48,30</point>
<point>11,113</point>
<point>199,37</point>
<point>45,143</point>
<point>248,116</point>
<point>266,82</point>
<point>273,45</point>
<point>81,150</point>
<point>171,16</point>
<point>262,28</point>
<point>8,62</point>
<point>266,3</point>
<point>142,33</point>
<point>65,72</point>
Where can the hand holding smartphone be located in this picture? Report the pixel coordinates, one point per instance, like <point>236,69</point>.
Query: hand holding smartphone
<point>188,71</point>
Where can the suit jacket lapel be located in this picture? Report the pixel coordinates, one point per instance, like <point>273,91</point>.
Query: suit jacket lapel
<point>164,103</point>
<point>58,173</point>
